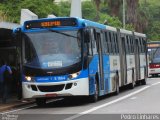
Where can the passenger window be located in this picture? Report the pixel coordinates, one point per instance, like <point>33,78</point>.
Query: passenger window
<point>94,48</point>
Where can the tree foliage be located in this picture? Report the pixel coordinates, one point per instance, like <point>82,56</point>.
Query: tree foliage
<point>64,8</point>
<point>153,33</point>
<point>12,8</point>
<point>3,17</point>
<point>151,8</point>
<point>88,10</point>
<point>141,15</point>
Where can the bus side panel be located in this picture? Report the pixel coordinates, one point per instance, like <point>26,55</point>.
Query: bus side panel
<point>106,66</point>
<point>114,68</point>
<point>93,69</point>
<point>132,63</point>
<point>143,65</point>
<point>129,69</point>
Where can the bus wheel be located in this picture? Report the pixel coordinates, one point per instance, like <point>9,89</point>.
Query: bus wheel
<point>117,85</point>
<point>94,97</point>
<point>132,85</point>
<point>143,82</point>
<point>40,101</point>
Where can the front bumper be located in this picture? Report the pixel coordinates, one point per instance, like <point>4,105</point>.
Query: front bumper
<point>79,87</point>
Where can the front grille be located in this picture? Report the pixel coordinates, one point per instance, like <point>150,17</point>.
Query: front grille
<point>51,88</point>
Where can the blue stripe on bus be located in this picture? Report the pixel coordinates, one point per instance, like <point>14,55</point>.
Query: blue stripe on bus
<point>58,78</point>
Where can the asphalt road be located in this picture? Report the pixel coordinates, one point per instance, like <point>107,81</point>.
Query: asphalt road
<point>142,102</point>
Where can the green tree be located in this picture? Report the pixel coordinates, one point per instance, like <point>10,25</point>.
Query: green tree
<point>64,8</point>
<point>88,10</point>
<point>151,8</point>
<point>3,17</point>
<point>42,8</point>
<point>114,6</point>
<point>153,33</point>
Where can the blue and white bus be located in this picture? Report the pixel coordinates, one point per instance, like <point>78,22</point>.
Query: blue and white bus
<point>77,57</point>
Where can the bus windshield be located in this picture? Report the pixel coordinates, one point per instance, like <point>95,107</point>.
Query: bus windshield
<point>156,55</point>
<point>52,49</point>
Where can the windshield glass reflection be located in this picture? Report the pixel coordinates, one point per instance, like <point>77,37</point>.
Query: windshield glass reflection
<point>52,49</point>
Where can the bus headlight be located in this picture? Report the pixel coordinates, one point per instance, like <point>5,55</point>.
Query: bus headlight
<point>74,75</point>
<point>29,78</point>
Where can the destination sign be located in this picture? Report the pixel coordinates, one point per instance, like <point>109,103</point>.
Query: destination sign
<point>48,23</point>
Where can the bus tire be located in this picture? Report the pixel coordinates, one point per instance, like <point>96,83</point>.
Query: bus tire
<point>40,101</point>
<point>132,85</point>
<point>143,82</point>
<point>117,85</point>
<point>94,97</point>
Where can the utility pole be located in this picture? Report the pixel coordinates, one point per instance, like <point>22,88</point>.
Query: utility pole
<point>76,10</point>
<point>124,15</point>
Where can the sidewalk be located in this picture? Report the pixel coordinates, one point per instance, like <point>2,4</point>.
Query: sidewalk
<point>13,103</point>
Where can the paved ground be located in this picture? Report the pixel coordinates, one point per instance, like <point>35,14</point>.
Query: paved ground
<point>142,101</point>
<point>13,103</point>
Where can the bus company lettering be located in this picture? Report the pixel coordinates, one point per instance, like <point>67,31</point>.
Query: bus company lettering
<point>55,78</point>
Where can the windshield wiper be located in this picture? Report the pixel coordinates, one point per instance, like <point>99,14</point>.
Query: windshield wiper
<point>62,33</point>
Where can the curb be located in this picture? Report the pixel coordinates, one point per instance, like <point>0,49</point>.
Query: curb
<point>15,105</point>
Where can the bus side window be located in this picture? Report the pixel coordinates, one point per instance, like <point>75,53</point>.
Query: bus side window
<point>126,44</point>
<point>144,45</point>
<point>103,41</point>
<point>106,42</point>
<point>140,49</point>
<point>116,37</point>
<point>90,45</point>
<point>132,44</point>
<point>115,43</point>
<point>94,48</point>
<point>110,42</point>
<point>129,44</point>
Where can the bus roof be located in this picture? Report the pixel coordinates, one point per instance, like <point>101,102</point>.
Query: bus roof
<point>153,42</point>
<point>126,31</point>
<point>140,34</point>
<point>81,22</point>
<point>58,22</point>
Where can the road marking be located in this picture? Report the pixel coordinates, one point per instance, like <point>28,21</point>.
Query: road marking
<point>92,109</point>
<point>133,98</point>
<point>106,104</point>
<point>111,102</point>
<point>155,83</point>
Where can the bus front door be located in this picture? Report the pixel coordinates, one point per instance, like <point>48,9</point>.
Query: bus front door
<point>100,54</point>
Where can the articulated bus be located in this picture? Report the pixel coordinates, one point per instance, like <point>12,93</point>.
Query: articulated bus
<point>154,58</point>
<point>68,56</point>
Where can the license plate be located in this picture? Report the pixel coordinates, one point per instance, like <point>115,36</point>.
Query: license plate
<point>51,95</point>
